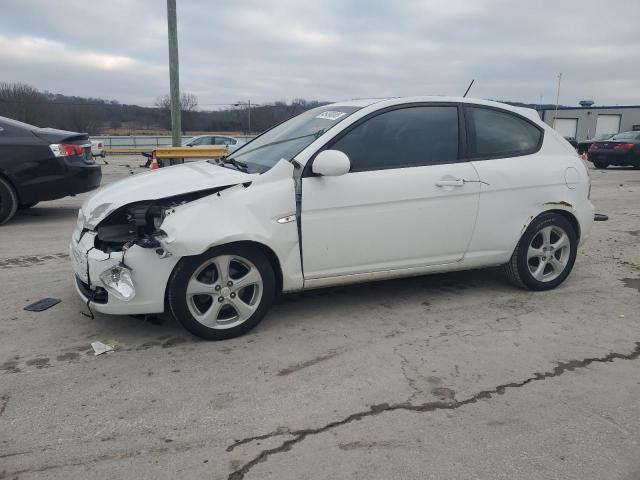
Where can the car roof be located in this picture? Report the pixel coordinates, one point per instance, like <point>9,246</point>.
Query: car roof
<point>389,101</point>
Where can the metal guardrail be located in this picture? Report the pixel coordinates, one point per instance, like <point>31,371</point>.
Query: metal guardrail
<point>143,143</point>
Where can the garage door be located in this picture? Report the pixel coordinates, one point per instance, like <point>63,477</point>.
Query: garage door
<point>567,127</point>
<point>607,124</point>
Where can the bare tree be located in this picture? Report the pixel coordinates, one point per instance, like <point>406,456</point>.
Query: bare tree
<point>23,102</point>
<point>188,105</point>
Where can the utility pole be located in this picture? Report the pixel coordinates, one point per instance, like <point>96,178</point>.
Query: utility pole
<point>249,104</point>
<point>174,75</point>
<point>555,115</point>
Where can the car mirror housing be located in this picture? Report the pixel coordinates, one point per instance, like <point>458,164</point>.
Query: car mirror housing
<point>331,163</point>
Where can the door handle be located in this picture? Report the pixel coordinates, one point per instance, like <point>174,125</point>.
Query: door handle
<point>457,182</point>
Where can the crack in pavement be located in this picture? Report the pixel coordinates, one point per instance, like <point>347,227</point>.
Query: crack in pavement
<point>300,435</point>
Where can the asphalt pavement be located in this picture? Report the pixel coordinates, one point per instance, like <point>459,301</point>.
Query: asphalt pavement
<point>455,376</point>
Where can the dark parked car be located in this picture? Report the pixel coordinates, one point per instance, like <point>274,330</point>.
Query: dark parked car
<point>621,149</point>
<point>583,145</point>
<point>39,164</point>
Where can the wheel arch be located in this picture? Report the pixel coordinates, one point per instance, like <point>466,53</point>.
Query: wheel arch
<point>11,183</point>
<point>266,250</point>
<point>563,209</point>
<point>573,220</point>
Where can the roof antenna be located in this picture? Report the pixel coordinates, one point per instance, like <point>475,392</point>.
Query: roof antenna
<point>468,88</point>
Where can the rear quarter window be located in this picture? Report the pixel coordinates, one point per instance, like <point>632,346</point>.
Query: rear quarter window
<point>497,134</point>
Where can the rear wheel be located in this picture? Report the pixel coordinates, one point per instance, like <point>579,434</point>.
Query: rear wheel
<point>222,293</point>
<point>545,254</point>
<point>600,164</point>
<point>8,201</point>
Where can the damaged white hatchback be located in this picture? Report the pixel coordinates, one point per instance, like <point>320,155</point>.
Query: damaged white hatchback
<point>350,192</point>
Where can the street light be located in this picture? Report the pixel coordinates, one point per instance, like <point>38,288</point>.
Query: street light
<point>248,105</point>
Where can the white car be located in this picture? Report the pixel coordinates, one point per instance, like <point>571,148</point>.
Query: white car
<point>350,192</point>
<point>97,149</point>
<point>204,141</point>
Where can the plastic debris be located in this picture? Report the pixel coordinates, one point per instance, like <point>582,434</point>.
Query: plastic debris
<point>42,304</point>
<point>99,348</point>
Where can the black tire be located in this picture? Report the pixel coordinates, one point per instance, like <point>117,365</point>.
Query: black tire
<point>600,165</point>
<point>188,266</point>
<point>8,201</point>
<point>24,206</point>
<point>518,269</point>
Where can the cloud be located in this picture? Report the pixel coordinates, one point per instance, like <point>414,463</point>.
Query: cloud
<point>282,49</point>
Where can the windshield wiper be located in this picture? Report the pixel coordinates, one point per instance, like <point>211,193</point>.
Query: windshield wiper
<point>243,167</point>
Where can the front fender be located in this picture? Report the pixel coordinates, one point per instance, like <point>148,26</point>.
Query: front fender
<point>245,212</point>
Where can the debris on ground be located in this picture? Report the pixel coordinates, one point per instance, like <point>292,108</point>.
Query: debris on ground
<point>99,348</point>
<point>42,304</point>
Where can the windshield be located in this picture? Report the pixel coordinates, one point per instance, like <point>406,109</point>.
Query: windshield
<point>286,140</point>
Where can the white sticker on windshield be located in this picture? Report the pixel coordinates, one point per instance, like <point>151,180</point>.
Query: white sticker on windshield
<point>331,115</point>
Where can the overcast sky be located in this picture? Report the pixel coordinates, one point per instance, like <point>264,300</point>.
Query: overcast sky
<point>267,50</point>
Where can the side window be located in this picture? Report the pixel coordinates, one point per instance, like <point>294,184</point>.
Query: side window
<point>406,137</point>
<point>501,134</point>
<point>223,141</point>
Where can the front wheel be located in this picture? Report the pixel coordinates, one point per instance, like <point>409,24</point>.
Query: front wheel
<point>545,254</point>
<point>223,293</point>
<point>8,201</point>
<point>600,165</point>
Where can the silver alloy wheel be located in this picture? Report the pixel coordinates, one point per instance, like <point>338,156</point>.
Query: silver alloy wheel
<point>224,291</point>
<point>548,253</point>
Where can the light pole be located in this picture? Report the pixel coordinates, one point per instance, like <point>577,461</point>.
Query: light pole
<point>248,105</point>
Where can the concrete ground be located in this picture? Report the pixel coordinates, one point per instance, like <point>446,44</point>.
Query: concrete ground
<point>457,376</point>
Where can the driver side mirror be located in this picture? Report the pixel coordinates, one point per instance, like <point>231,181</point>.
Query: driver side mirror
<point>331,163</point>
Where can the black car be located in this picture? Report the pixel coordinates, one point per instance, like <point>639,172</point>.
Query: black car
<point>583,145</point>
<point>621,149</point>
<point>39,164</point>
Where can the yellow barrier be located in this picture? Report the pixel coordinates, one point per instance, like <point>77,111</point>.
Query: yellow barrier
<point>190,152</point>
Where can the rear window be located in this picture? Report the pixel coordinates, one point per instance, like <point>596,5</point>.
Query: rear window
<point>626,136</point>
<point>501,134</point>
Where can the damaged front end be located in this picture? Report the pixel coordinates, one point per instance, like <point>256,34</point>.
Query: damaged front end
<point>122,257</point>
<point>139,223</point>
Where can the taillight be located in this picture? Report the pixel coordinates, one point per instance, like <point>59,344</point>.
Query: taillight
<point>99,144</point>
<point>623,146</point>
<point>66,149</point>
<point>593,146</point>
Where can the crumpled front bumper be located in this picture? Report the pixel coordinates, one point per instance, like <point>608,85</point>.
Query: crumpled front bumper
<point>150,274</point>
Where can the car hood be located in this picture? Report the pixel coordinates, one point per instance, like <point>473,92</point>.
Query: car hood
<point>158,184</point>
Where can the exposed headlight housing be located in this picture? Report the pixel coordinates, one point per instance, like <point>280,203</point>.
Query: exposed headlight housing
<point>117,280</point>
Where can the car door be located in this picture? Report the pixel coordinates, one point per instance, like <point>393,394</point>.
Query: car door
<point>410,199</point>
